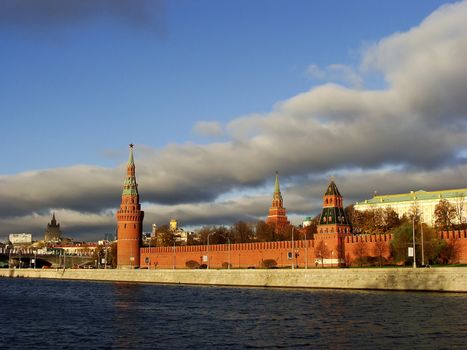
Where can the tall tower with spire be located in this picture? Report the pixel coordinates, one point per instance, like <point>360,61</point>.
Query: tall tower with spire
<point>129,221</point>
<point>53,233</point>
<point>277,214</point>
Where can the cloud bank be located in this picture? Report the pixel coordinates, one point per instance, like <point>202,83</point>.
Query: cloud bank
<point>407,136</point>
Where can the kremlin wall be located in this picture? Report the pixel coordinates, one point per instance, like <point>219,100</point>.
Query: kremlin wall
<point>333,245</point>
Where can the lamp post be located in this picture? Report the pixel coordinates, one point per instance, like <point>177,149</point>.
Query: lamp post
<point>209,260</point>
<point>293,250</point>
<point>413,238</point>
<point>306,251</point>
<point>173,262</point>
<point>423,253</point>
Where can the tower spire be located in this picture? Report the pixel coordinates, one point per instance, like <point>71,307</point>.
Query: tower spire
<point>131,161</point>
<point>276,186</point>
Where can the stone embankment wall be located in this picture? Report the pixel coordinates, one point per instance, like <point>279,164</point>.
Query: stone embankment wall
<point>448,279</point>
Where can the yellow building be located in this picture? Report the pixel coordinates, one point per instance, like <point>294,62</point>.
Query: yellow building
<point>173,225</point>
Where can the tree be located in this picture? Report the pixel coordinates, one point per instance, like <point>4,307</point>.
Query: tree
<point>379,250</point>
<point>459,207</point>
<point>361,251</point>
<point>216,234</point>
<point>432,244</point>
<point>444,215</point>
<point>402,238</point>
<point>264,232</point>
<point>450,252</point>
<point>112,255</point>
<point>321,251</point>
<point>391,219</point>
<point>242,232</point>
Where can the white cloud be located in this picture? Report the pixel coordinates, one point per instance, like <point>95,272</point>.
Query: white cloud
<point>205,128</point>
<point>337,73</point>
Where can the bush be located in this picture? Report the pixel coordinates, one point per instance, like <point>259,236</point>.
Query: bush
<point>191,264</point>
<point>269,263</point>
<point>226,265</point>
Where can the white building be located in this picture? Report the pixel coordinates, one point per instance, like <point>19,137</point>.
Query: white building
<point>425,201</point>
<point>20,238</point>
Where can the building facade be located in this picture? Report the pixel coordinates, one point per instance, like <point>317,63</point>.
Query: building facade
<point>20,238</point>
<point>129,221</point>
<point>277,214</point>
<point>424,201</point>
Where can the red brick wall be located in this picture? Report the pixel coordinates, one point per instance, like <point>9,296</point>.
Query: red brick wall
<point>244,255</point>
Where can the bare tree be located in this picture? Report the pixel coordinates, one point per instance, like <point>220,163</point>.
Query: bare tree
<point>459,206</point>
<point>379,250</point>
<point>444,215</point>
<point>361,251</point>
<point>321,251</point>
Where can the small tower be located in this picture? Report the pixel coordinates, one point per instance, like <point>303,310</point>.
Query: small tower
<point>333,228</point>
<point>333,218</point>
<point>277,214</point>
<point>130,221</point>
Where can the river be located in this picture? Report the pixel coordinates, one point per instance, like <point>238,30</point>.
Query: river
<point>48,314</point>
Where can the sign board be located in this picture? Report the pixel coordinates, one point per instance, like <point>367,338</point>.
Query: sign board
<point>132,258</point>
<point>103,261</point>
<point>410,254</point>
<point>205,258</point>
<point>146,260</point>
<point>33,261</point>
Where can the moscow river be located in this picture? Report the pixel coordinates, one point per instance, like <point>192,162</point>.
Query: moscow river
<point>46,314</point>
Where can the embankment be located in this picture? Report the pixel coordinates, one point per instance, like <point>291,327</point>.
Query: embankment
<point>448,279</point>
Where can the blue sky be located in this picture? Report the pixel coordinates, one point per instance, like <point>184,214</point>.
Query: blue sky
<point>75,91</point>
<point>190,81</point>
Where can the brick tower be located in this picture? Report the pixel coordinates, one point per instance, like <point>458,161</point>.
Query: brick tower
<point>130,221</point>
<point>333,227</point>
<point>277,214</point>
<point>333,218</point>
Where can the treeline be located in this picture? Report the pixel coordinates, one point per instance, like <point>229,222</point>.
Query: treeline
<point>239,232</point>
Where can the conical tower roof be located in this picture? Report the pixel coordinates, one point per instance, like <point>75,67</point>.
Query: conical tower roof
<point>130,186</point>
<point>276,185</point>
<point>131,160</point>
<point>332,190</point>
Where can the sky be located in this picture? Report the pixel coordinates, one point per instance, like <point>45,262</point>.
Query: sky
<point>217,96</point>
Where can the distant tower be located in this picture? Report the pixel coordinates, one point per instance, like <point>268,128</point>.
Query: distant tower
<point>333,218</point>
<point>173,225</point>
<point>130,221</point>
<point>53,233</point>
<point>277,214</point>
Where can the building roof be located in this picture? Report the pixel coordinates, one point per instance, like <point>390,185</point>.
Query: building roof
<point>416,195</point>
<point>276,185</point>
<point>332,190</point>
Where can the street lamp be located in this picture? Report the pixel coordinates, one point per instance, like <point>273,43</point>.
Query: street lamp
<point>293,250</point>
<point>306,251</point>
<point>413,238</point>
<point>209,260</point>
<point>173,262</point>
<point>423,252</point>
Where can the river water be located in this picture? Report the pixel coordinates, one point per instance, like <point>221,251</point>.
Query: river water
<point>47,314</point>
